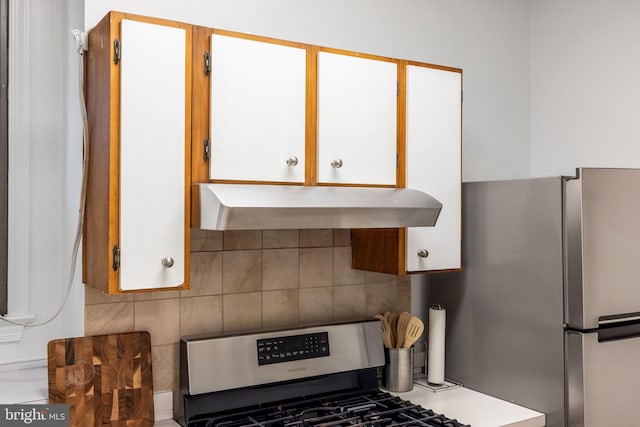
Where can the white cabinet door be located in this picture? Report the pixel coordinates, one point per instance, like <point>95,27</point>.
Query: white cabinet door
<point>357,109</point>
<point>152,159</point>
<point>434,112</point>
<point>258,100</point>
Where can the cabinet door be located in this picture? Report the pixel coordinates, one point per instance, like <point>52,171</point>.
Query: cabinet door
<point>152,155</point>
<point>258,101</point>
<point>434,112</point>
<point>357,110</point>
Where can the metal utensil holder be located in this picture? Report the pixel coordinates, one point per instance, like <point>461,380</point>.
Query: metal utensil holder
<point>397,373</point>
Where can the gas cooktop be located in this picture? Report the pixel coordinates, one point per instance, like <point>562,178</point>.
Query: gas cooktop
<point>367,409</point>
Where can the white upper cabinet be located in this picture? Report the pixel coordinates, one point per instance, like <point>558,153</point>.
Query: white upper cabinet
<point>434,130</point>
<point>257,111</point>
<point>357,120</point>
<point>152,156</point>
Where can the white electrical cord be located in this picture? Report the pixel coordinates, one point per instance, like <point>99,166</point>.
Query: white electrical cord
<point>80,39</point>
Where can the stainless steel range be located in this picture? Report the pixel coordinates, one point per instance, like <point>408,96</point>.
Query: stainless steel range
<point>324,376</point>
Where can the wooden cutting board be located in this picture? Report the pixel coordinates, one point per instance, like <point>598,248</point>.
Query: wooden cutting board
<point>105,379</point>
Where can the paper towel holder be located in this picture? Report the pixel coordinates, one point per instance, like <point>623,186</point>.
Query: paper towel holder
<point>436,346</point>
<point>421,378</point>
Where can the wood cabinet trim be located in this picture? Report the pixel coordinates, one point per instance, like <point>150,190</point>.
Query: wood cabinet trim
<point>346,184</point>
<point>401,126</point>
<point>257,38</point>
<point>450,270</point>
<point>239,181</point>
<point>200,104</point>
<point>114,154</point>
<point>311,148</point>
<point>117,17</point>
<point>187,154</point>
<point>357,54</point>
<point>402,251</point>
<point>434,66</point>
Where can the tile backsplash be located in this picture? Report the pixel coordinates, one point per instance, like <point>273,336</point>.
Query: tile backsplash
<point>248,281</point>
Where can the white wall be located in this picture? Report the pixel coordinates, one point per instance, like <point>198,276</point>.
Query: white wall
<point>44,172</point>
<point>585,97</point>
<point>488,39</point>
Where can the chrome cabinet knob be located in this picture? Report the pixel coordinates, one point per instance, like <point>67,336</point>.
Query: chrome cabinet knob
<point>167,262</point>
<point>423,253</point>
<point>292,161</point>
<point>336,164</point>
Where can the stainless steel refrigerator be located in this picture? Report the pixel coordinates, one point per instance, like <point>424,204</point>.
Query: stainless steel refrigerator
<point>546,310</point>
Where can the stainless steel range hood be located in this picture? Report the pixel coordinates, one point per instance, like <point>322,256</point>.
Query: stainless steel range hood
<point>264,207</point>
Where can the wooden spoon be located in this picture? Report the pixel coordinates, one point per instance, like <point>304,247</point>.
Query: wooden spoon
<point>393,325</point>
<point>386,331</point>
<point>403,321</point>
<point>415,327</point>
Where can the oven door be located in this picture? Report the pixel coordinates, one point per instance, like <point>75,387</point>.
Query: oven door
<point>603,373</point>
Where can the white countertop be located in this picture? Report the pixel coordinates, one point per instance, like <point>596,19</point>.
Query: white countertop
<point>465,405</point>
<point>471,407</point>
<point>24,386</point>
<point>166,423</point>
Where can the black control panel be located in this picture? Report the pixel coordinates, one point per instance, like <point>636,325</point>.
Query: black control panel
<point>295,347</point>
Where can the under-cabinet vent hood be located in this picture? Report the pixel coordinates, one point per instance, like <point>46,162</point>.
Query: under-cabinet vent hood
<point>264,207</point>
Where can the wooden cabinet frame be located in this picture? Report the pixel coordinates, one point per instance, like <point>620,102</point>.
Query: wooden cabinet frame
<point>102,217</point>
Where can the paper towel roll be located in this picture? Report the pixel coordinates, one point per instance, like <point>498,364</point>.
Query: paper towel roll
<point>435,352</point>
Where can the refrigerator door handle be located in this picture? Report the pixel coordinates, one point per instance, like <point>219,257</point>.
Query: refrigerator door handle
<point>619,327</point>
<point>618,318</point>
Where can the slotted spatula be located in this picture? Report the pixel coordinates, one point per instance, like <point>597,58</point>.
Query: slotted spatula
<point>386,331</point>
<point>403,321</point>
<point>415,327</point>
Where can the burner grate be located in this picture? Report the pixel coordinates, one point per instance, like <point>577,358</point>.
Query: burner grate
<point>369,409</point>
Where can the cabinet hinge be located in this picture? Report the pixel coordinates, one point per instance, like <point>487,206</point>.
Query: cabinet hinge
<point>116,51</point>
<point>116,258</point>
<point>461,97</point>
<point>207,149</point>
<point>397,88</point>
<point>207,63</point>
